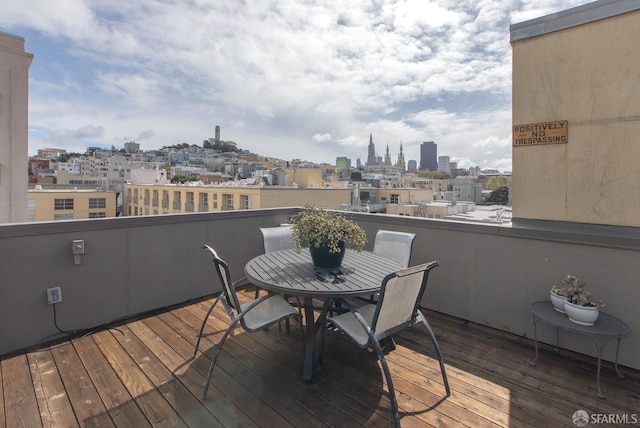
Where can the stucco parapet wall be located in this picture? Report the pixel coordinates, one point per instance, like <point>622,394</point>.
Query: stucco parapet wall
<point>572,17</point>
<point>63,226</point>
<point>627,238</point>
<point>620,237</point>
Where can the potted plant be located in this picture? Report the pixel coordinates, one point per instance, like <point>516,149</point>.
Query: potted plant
<point>578,305</point>
<point>557,298</point>
<point>325,232</point>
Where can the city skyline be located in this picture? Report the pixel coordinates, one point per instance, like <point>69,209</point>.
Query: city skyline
<point>287,80</point>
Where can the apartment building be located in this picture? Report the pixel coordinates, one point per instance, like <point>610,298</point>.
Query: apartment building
<point>576,110</point>
<point>65,204</point>
<point>14,100</point>
<point>147,199</point>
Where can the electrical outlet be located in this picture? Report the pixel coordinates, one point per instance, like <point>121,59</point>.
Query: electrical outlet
<point>54,295</point>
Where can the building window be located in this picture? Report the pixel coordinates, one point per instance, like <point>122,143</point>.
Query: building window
<point>245,202</point>
<point>228,202</point>
<point>97,215</point>
<point>395,198</point>
<point>97,203</point>
<point>215,201</point>
<point>68,216</point>
<point>31,204</point>
<point>63,204</point>
<point>203,202</point>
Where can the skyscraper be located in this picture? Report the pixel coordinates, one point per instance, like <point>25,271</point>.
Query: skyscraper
<point>371,152</point>
<point>429,156</point>
<point>444,164</point>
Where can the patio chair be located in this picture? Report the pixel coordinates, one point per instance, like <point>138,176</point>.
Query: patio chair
<point>397,245</point>
<point>253,316</point>
<point>398,308</point>
<point>274,239</point>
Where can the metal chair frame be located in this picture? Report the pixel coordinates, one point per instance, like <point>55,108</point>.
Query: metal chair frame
<point>253,316</point>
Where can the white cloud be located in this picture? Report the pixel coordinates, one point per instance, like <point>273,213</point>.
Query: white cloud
<point>286,79</point>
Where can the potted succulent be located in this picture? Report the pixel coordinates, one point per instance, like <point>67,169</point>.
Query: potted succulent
<point>578,305</point>
<point>326,233</point>
<point>557,298</point>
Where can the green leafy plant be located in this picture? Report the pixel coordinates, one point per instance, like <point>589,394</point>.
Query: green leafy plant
<point>574,290</point>
<point>317,226</point>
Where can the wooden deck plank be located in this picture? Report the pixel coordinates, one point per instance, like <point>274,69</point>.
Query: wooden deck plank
<point>162,372</point>
<point>376,390</point>
<point>119,403</point>
<point>20,403</point>
<point>310,406</point>
<point>284,354</point>
<point>53,402</point>
<point>216,402</point>
<point>554,378</point>
<point>237,383</point>
<point>145,364</point>
<point>147,397</point>
<point>83,395</point>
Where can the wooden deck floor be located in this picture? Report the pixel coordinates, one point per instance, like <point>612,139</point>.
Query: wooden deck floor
<point>138,374</point>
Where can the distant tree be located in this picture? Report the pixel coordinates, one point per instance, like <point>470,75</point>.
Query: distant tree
<point>497,181</point>
<point>438,175</point>
<point>63,158</point>
<point>207,144</point>
<point>228,146</point>
<point>500,196</point>
<point>181,179</point>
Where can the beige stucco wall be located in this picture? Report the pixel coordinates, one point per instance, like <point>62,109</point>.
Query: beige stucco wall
<point>590,76</point>
<point>140,199</point>
<point>304,177</point>
<point>42,204</point>
<point>14,100</point>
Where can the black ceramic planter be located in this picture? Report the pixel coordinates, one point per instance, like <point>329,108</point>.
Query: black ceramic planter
<point>323,259</point>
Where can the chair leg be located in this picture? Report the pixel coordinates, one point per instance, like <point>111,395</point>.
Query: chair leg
<point>438,353</point>
<point>215,356</point>
<point>387,375</point>
<point>204,322</point>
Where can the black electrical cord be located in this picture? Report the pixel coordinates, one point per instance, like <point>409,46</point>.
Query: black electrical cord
<point>88,331</point>
<point>55,322</point>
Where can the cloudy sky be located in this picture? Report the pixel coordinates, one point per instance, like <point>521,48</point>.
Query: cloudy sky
<point>291,79</point>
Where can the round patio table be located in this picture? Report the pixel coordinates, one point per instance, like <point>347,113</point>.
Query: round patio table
<point>292,273</point>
